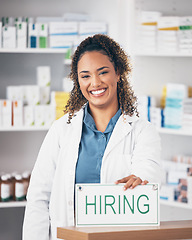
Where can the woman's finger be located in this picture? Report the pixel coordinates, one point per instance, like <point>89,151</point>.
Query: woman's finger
<point>132,183</point>
<point>125,179</point>
<point>144,182</point>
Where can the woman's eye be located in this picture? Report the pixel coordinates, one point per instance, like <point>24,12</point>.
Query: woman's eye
<point>102,73</point>
<point>85,76</point>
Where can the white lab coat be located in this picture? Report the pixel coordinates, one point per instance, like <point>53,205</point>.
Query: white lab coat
<point>134,148</point>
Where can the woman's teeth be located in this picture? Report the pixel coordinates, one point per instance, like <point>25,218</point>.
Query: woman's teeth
<point>98,92</point>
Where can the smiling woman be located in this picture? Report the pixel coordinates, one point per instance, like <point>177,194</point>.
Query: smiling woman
<point>101,139</point>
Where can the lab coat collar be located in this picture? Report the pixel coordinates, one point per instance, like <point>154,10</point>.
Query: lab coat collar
<point>122,128</point>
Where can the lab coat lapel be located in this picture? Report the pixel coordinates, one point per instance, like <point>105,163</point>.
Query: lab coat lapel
<point>122,128</point>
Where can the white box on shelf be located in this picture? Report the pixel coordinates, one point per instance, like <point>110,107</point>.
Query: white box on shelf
<point>6,106</point>
<point>39,113</point>
<point>14,93</point>
<point>43,76</point>
<point>167,192</point>
<point>9,37</point>
<point>62,41</point>
<point>21,35</point>
<point>90,28</point>
<point>49,113</point>
<point>17,110</point>
<point>28,112</point>
<point>44,95</point>
<point>32,94</point>
<point>63,28</point>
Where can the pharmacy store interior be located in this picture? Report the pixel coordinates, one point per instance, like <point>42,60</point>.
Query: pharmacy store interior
<point>37,41</point>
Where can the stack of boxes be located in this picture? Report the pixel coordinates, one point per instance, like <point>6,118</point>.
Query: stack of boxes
<point>148,110</point>
<point>164,33</point>
<point>168,28</point>
<point>185,34</point>
<point>147,31</point>
<point>187,114</point>
<point>173,112</point>
<point>28,105</point>
<point>178,181</point>
<point>46,32</point>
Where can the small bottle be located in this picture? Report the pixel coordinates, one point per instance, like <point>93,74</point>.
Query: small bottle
<point>11,185</point>
<point>13,182</point>
<point>26,178</point>
<point>5,188</point>
<point>19,188</point>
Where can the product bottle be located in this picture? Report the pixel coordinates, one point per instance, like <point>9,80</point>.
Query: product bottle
<point>43,35</point>
<point>19,188</point>
<point>5,188</point>
<point>11,186</point>
<point>26,178</point>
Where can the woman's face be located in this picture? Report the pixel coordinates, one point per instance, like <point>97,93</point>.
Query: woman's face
<point>98,80</point>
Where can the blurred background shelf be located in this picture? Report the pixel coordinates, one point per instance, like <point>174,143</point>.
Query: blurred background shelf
<point>163,54</point>
<point>32,128</point>
<point>33,50</point>
<point>183,132</point>
<point>176,204</point>
<point>12,204</point>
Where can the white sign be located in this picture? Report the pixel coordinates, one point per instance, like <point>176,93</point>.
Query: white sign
<point>110,205</point>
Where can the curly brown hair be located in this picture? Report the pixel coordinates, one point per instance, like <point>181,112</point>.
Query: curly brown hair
<point>107,46</point>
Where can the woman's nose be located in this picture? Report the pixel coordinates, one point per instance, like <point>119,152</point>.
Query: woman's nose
<point>96,82</point>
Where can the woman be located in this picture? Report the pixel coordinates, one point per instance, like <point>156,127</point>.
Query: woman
<point>99,140</point>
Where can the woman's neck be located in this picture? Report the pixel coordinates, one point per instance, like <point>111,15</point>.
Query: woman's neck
<point>103,116</point>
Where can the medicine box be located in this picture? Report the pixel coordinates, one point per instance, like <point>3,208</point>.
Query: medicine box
<point>14,93</point>
<point>90,28</point>
<point>28,115</point>
<point>21,34</point>
<point>6,106</point>
<point>9,37</point>
<point>43,76</point>
<point>62,34</point>
<point>17,113</point>
<point>49,113</point>
<point>39,113</point>
<point>32,35</point>
<point>45,95</point>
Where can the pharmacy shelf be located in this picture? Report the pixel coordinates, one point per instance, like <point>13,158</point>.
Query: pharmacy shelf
<point>34,50</point>
<point>176,204</point>
<point>163,54</point>
<point>175,131</point>
<point>30,128</point>
<point>12,204</point>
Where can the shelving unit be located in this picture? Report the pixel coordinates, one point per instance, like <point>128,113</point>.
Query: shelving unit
<point>176,204</point>
<point>32,128</point>
<point>183,132</point>
<point>163,54</point>
<point>152,70</point>
<point>34,50</point>
<point>12,204</point>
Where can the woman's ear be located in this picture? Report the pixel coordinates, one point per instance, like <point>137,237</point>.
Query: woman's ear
<point>118,76</point>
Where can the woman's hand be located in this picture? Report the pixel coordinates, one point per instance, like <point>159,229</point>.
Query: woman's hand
<point>131,182</point>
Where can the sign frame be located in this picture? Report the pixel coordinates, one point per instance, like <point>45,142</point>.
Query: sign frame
<point>80,187</point>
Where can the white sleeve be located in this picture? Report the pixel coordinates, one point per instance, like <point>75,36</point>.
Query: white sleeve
<point>146,154</point>
<point>36,221</point>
